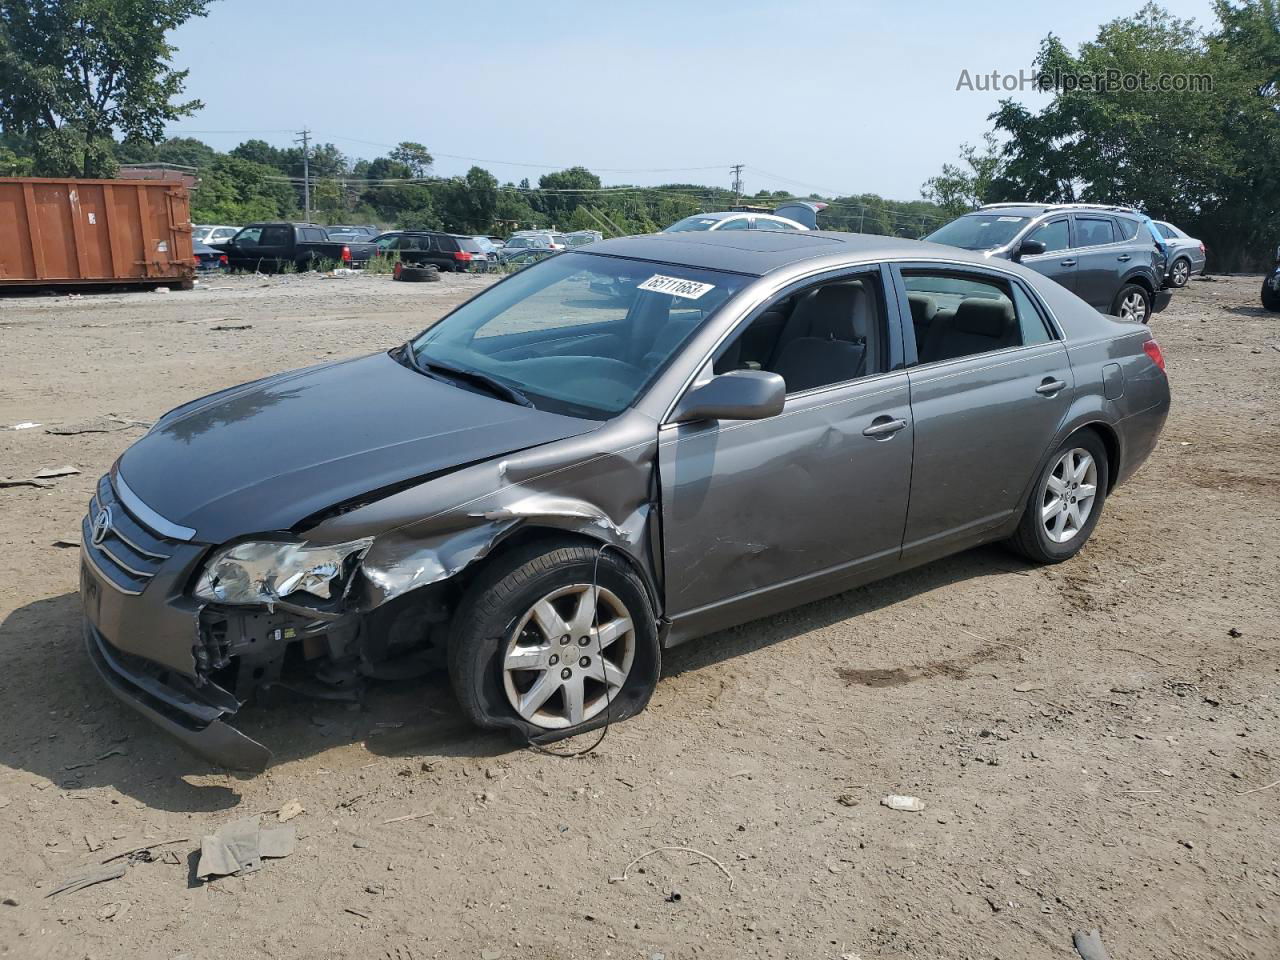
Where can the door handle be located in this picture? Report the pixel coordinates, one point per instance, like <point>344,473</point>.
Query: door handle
<point>1066,263</point>
<point>1123,257</point>
<point>1049,387</point>
<point>882,428</point>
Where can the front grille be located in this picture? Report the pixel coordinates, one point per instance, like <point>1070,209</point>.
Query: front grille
<point>129,554</point>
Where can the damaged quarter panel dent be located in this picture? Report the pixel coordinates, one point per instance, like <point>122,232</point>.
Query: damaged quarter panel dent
<point>600,485</point>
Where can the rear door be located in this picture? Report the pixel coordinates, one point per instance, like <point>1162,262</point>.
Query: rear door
<point>1057,262</point>
<point>1101,260</point>
<point>276,244</point>
<point>989,388</point>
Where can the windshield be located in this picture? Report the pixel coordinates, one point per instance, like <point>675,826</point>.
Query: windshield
<point>578,334</point>
<point>979,231</point>
<point>692,223</point>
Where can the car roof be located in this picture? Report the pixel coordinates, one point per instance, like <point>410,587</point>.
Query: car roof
<point>759,252</point>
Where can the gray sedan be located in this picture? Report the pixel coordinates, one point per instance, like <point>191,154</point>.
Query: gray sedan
<point>603,456</point>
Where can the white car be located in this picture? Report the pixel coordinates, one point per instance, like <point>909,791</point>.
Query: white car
<point>211,235</point>
<point>734,220</point>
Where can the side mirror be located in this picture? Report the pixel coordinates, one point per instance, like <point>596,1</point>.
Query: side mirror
<point>738,395</point>
<point>1031,248</point>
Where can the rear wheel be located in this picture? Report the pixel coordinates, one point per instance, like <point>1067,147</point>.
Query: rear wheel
<point>552,641</point>
<point>1132,303</point>
<point>1180,272</point>
<point>1066,501</point>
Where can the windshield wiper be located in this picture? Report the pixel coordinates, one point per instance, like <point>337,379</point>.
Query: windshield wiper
<point>476,377</point>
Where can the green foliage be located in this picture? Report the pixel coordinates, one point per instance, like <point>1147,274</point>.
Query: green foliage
<point>75,73</point>
<point>414,156</point>
<point>234,190</point>
<point>959,189</point>
<point>557,205</point>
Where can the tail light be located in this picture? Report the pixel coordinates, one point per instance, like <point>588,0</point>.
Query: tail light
<point>223,261</point>
<point>1202,250</point>
<point>1152,350</point>
<point>346,254</point>
<point>196,261</point>
<point>461,256</point>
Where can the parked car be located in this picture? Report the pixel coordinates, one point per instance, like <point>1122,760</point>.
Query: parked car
<point>550,239</point>
<point>207,234</point>
<point>580,238</point>
<point>478,247</point>
<point>349,233</point>
<point>207,258</point>
<point>539,488</point>
<point>1185,255</point>
<point>1271,287</point>
<point>420,247</point>
<point>1100,253</point>
<point>536,246</point>
<point>489,248</point>
<point>304,246</point>
<point>734,220</point>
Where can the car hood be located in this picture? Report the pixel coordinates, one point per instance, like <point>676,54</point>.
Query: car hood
<point>266,455</point>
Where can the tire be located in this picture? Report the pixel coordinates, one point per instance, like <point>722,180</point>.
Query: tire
<point>495,626</point>
<point>1038,531</point>
<point>1270,296</point>
<point>1132,303</point>
<point>1180,273</point>
<point>417,274</point>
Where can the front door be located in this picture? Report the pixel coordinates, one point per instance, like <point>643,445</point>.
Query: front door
<point>761,515</point>
<point>1057,262</point>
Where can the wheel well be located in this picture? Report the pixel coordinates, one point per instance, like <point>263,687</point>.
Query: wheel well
<point>529,534</point>
<point>1112,444</point>
<point>1139,280</point>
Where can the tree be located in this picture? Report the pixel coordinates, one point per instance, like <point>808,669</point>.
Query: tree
<point>76,73</point>
<point>565,190</point>
<point>414,156</point>
<point>235,190</point>
<point>959,189</point>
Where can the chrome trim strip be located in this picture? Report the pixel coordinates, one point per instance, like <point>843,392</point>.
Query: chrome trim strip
<point>157,523</point>
<point>84,552</point>
<point>140,574</point>
<point>115,532</point>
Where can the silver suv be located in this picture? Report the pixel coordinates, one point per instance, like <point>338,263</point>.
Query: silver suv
<point>1106,255</point>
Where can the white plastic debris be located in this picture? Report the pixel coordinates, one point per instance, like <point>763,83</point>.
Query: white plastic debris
<point>897,801</point>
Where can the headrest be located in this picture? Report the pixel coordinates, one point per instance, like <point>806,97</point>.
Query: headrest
<point>829,311</point>
<point>984,317</point>
<point>923,307</point>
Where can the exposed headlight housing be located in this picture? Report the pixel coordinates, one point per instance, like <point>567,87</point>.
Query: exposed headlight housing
<point>264,572</point>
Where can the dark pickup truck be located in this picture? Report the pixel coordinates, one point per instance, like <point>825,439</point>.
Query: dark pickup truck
<point>273,246</point>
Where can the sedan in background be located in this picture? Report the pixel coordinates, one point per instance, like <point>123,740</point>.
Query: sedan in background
<point>1185,255</point>
<point>207,234</point>
<point>548,487</point>
<point>733,220</point>
<point>208,259</point>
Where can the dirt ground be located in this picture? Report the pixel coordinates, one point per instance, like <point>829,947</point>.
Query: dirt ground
<point>1095,743</point>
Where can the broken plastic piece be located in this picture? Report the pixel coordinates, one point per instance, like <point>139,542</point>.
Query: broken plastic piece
<point>240,846</point>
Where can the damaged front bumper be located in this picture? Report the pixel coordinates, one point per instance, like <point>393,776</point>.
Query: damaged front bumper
<point>194,714</point>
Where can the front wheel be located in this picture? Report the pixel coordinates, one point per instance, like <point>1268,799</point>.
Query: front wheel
<point>553,641</point>
<point>1132,303</point>
<point>1180,273</point>
<point>1066,501</point>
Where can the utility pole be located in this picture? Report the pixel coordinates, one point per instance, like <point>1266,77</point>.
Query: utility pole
<point>305,140</point>
<point>736,170</point>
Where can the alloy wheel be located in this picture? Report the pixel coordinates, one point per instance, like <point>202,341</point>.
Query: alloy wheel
<point>1069,494</point>
<point>1133,307</point>
<point>1181,273</point>
<point>568,656</point>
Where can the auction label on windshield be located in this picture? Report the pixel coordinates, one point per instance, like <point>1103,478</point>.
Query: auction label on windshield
<point>688,289</point>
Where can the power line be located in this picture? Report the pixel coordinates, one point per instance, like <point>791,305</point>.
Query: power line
<point>305,140</point>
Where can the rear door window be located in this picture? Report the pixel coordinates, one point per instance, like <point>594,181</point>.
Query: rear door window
<point>1094,231</point>
<point>737,223</point>
<point>1127,228</point>
<point>276,236</point>
<point>968,314</point>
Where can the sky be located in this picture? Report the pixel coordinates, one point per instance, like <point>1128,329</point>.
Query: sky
<point>838,97</point>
